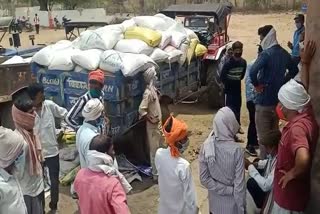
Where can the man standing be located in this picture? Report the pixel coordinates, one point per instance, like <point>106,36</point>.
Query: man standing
<point>101,188</point>
<point>96,83</point>
<point>298,143</point>
<point>177,192</point>
<point>46,112</point>
<point>232,73</point>
<point>11,196</point>
<point>29,170</point>
<point>92,113</point>
<point>150,110</point>
<point>36,21</point>
<point>299,21</point>
<point>268,74</point>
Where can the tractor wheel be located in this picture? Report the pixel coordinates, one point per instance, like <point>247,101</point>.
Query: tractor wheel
<point>216,98</point>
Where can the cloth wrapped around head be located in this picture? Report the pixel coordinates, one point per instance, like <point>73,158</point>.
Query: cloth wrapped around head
<point>150,75</point>
<point>271,138</point>
<point>92,110</point>
<point>225,127</point>
<point>24,123</point>
<point>11,146</point>
<point>97,75</point>
<point>174,131</point>
<point>269,40</point>
<point>294,96</point>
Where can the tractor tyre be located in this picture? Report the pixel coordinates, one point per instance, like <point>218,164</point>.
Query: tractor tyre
<point>216,98</point>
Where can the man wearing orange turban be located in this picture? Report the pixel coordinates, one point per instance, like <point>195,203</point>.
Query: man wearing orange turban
<point>177,192</point>
<point>96,83</point>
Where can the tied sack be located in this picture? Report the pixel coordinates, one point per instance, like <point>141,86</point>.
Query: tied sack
<point>191,34</point>
<point>128,24</point>
<point>88,59</point>
<point>135,63</point>
<point>159,55</point>
<point>174,54</point>
<point>62,60</point>
<point>165,39</point>
<point>104,38</point>
<point>179,35</point>
<point>46,54</point>
<point>152,22</point>
<point>111,61</point>
<point>191,49</point>
<point>151,37</point>
<point>133,46</point>
<point>169,21</point>
<point>200,50</point>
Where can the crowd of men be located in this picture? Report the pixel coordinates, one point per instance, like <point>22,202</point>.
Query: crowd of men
<point>278,180</point>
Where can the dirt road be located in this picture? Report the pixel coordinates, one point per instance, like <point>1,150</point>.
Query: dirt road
<point>197,116</point>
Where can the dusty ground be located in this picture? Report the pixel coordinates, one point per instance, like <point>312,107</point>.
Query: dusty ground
<point>197,116</point>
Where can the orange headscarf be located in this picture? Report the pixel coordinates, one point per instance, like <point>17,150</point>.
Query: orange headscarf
<point>178,132</point>
<point>97,75</point>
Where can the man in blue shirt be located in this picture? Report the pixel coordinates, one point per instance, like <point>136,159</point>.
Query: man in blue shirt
<point>268,74</point>
<point>299,21</point>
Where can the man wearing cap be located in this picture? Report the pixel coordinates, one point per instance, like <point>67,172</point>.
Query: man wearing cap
<point>11,196</point>
<point>261,172</point>
<point>92,113</point>
<point>96,83</point>
<point>298,142</point>
<point>299,22</point>
<point>268,74</point>
<point>177,192</point>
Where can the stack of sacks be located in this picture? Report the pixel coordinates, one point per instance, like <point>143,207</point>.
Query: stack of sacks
<point>130,47</point>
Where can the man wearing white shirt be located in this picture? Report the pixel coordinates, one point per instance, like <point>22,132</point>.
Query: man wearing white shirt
<point>261,172</point>
<point>46,112</point>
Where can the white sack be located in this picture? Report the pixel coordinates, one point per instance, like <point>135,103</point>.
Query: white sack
<point>128,24</point>
<point>169,21</point>
<point>45,55</point>
<point>78,68</point>
<point>165,39</point>
<point>184,49</point>
<point>111,61</point>
<point>152,22</point>
<point>129,64</point>
<point>159,55</point>
<point>179,35</point>
<point>14,60</point>
<point>191,34</point>
<point>104,38</point>
<point>61,60</point>
<point>133,46</point>
<point>88,59</point>
<point>174,54</point>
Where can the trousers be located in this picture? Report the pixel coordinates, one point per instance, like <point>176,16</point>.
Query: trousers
<point>252,131</point>
<point>154,139</point>
<point>234,101</point>
<point>35,205</point>
<point>54,167</point>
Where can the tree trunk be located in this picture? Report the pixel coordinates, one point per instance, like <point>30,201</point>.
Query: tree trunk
<point>141,4</point>
<point>43,5</point>
<point>313,32</point>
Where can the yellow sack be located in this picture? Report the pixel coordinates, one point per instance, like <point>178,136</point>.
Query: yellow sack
<point>191,49</point>
<point>200,50</point>
<point>69,178</point>
<point>151,37</point>
<point>69,138</point>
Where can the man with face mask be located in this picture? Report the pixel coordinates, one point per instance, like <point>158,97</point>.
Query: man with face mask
<point>46,111</point>
<point>232,73</point>
<point>101,188</point>
<point>177,192</point>
<point>299,22</point>
<point>96,83</point>
<point>268,74</point>
<point>11,196</point>
<point>298,142</point>
<point>92,113</point>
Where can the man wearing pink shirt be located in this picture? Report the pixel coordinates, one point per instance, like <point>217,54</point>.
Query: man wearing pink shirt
<point>101,188</point>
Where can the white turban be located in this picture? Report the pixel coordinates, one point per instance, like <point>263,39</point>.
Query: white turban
<point>293,96</point>
<point>11,146</point>
<point>92,110</point>
<point>150,75</point>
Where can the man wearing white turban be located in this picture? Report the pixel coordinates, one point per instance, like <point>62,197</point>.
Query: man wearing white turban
<point>298,143</point>
<point>91,112</point>
<point>11,196</point>
<point>150,110</point>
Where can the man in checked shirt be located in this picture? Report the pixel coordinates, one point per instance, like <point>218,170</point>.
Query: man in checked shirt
<point>96,83</point>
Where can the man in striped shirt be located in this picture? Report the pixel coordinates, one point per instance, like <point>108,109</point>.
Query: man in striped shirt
<point>96,83</point>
